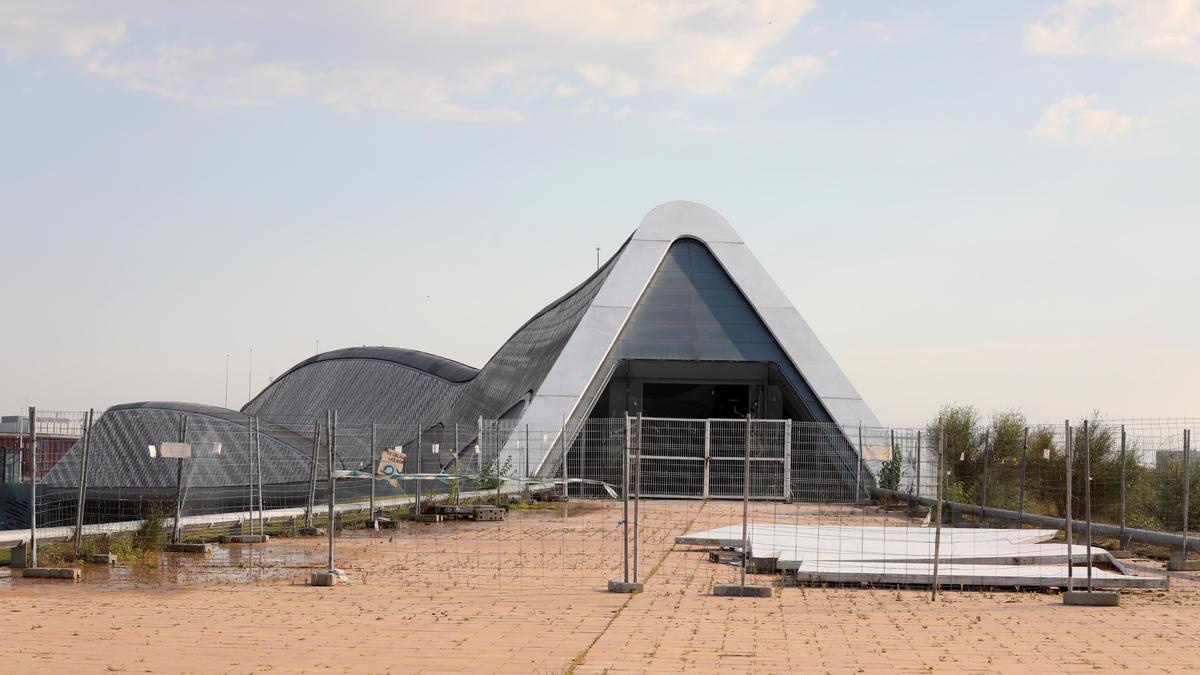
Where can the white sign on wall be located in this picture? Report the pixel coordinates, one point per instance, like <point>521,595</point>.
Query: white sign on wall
<point>175,450</point>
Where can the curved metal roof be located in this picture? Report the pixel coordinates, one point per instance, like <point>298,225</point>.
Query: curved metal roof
<point>432,364</point>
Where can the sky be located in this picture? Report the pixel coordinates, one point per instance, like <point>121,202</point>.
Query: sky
<point>984,203</point>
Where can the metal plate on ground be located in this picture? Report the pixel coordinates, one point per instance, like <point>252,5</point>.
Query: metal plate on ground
<point>904,555</point>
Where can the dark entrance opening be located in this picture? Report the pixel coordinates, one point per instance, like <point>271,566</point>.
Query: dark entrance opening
<point>695,401</point>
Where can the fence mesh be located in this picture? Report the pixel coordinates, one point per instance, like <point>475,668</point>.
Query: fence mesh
<point>577,494</point>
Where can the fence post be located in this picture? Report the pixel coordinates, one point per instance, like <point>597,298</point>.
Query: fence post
<point>83,472</point>
<point>420,483</point>
<point>892,457</point>
<point>937,534</point>
<point>787,460</point>
<point>987,443</point>
<point>312,476</point>
<point>1087,498</point>
<point>457,468</point>
<point>1070,527</point>
<point>637,497</point>
<point>175,528</point>
<point>1124,541</point>
<point>371,467</point>
<point>1021,482</point>
<point>33,476</point>
<point>258,464</point>
<point>479,467</point>
<point>625,496</point>
<point>562,435</point>
<point>250,474</point>
<point>1187,484</point>
<point>858,470</point>
<point>331,425</point>
<point>746,503</point>
<point>707,456</point>
<point>918,462</point>
<point>526,491</point>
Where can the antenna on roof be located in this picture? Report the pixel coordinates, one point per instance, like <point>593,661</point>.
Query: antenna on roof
<point>597,257</point>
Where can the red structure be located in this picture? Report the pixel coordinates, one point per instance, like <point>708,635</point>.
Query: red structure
<point>51,448</point>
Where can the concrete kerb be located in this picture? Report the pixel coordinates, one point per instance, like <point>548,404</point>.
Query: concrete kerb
<point>188,548</point>
<point>245,538</point>
<point>66,573</point>
<point>739,591</point>
<point>1092,599</point>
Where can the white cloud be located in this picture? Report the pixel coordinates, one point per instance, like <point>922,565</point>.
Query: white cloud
<point>564,90</point>
<point>1074,120</point>
<point>613,82</point>
<point>1163,30</point>
<point>47,28</point>
<point>791,73</point>
<point>452,59</point>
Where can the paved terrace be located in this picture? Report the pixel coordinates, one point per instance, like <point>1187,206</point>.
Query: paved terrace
<point>527,595</point>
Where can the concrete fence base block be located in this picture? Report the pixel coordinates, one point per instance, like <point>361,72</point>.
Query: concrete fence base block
<point>323,579</point>
<point>1181,565</point>
<point>736,591</point>
<point>188,548</point>
<point>68,573</point>
<point>618,586</point>
<point>1093,599</point>
<point>245,538</point>
<point>19,556</point>
<point>311,531</point>
<point>101,559</point>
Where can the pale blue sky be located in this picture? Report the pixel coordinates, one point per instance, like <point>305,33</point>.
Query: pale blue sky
<point>993,204</point>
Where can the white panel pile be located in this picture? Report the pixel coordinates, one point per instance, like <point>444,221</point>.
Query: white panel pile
<point>904,555</point>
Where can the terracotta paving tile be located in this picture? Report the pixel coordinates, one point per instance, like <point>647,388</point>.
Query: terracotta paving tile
<point>527,595</point>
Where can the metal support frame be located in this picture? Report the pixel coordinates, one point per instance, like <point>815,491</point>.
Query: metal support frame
<point>937,534</point>
<point>258,464</point>
<point>331,425</point>
<point>787,460</point>
<point>1087,500</point>
<point>562,441</point>
<point>637,497</point>
<point>1123,538</point>
<point>81,498</point>
<point>1187,485</point>
<point>705,490</point>
<point>983,486</point>
<point>746,504</point>
<point>371,469</point>
<point>479,452</point>
<point>1070,529</point>
<point>625,498</point>
<point>312,476</point>
<point>420,483</point>
<point>175,526</point>
<point>858,468</point>
<point>33,479</point>
<point>1021,480</point>
<point>918,463</point>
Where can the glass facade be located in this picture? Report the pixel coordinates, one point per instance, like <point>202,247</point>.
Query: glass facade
<point>692,311</point>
